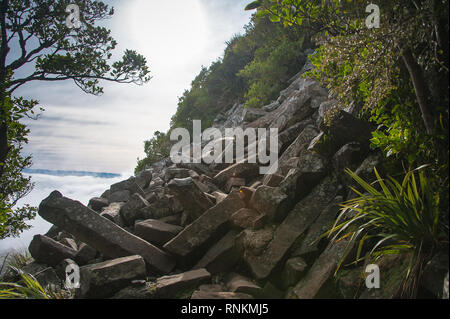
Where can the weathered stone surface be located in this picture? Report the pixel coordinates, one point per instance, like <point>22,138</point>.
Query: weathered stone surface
<point>272,180</point>
<point>47,251</point>
<point>175,172</point>
<point>106,194</point>
<point>434,274</point>
<point>297,107</point>
<point>48,279</point>
<point>255,241</point>
<point>100,233</point>
<point>251,114</point>
<point>247,218</point>
<point>241,169</point>
<point>270,201</point>
<point>293,271</point>
<point>295,224</point>
<point>239,283</point>
<point>69,242</point>
<point>234,182</point>
<point>219,196</point>
<point>219,295</point>
<point>172,220</point>
<point>171,286</point>
<point>348,156</point>
<point>190,196</point>
<point>255,185</point>
<point>120,196</point>
<point>246,194</point>
<point>104,279</point>
<point>137,290</point>
<point>112,213</point>
<point>288,136</point>
<point>53,232</point>
<point>155,183</point>
<point>129,185</point>
<point>156,232</point>
<point>97,203</point>
<point>203,187</point>
<point>85,254</point>
<point>301,142</point>
<point>289,165</point>
<point>211,197</point>
<point>212,288</point>
<point>320,271</point>
<point>222,256</point>
<point>132,209</point>
<point>194,240</point>
<point>144,178</point>
<point>309,172</point>
<point>323,223</point>
<point>209,182</point>
<point>159,209</point>
<point>151,197</point>
<point>271,107</point>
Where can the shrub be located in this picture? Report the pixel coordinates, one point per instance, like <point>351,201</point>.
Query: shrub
<point>399,218</point>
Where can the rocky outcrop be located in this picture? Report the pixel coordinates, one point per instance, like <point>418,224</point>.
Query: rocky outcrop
<point>224,231</point>
<point>195,239</point>
<point>105,279</point>
<point>100,233</point>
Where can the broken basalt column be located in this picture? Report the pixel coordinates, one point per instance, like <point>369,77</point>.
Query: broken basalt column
<point>47,251</point>
<point>105,279</point>
<point>192,243</point>
<point>100,233</point>
<point>190,196</point>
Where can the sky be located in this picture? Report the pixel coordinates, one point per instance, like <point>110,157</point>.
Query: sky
<point>106,134</point>
<point>79,132</point>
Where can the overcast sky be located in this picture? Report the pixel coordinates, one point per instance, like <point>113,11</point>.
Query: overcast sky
<point>106,133</point>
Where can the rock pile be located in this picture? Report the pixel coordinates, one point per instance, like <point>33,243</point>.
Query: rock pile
<point>219,231</point>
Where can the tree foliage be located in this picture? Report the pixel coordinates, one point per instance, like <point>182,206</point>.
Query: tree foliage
<point>397,77</point>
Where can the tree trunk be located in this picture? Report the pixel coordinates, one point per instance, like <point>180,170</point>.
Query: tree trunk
<point>4,147</point>
<point>418,80</point>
